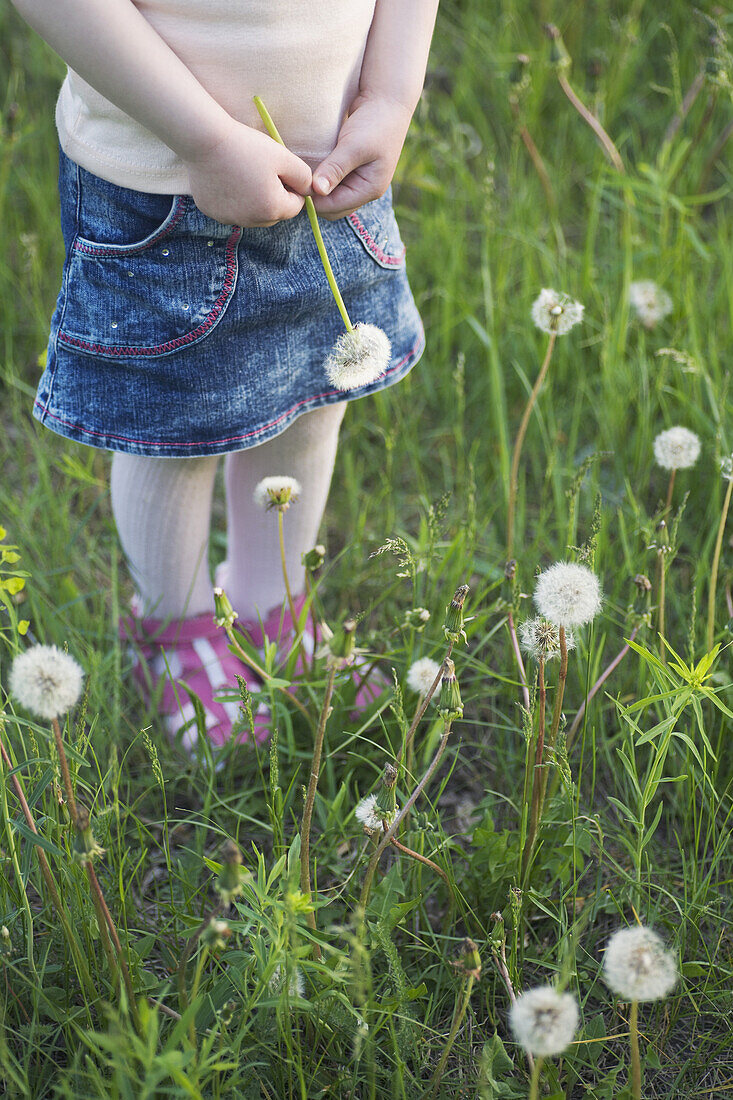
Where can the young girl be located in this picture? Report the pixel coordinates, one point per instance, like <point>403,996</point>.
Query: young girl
<point>194,317</point>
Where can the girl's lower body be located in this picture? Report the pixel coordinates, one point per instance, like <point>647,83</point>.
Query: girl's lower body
<point>177,340</point>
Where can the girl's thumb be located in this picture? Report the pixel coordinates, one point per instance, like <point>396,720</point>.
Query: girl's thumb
<point>333,169</point>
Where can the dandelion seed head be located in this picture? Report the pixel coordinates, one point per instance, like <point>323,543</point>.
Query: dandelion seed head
<point>650,303</point>
<point>568,594</point>
<point>726,467</point>
<point>637,966</point>
<point>421,675</point>
<point>544,1021</point>
<point>368,814</point>
<point>277,492</point>
<point>358,358</point>
<point>46,681</point>
<point>555,312</point>
<point>677,448</point>
<point>296,985</point>
<point>541,638</point>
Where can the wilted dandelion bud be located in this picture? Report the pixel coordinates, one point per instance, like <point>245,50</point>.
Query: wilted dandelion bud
<point>650,303</point>
<point>341,645</point>
<point>451,704</point>
<point>544,1021</point>
<point>726,467</point>
<point>296,985</point>
<point>389,776</point>
<point>416,618</point>
<point>453,625</point>
<point>541,638</point>
<point>568,594</point>
<point>226,1012</point>
<point>555,312</point>
<point>676,449</point>
<point>277,492</point>
<point>559,56</point>
<point>358,358</point>
<point>216,934</point>
<point>642,582</point>
<point>510,569</point>
<point>229,882</point>
<point>85,848</point>
<point>468,960</point>
<point>421,675</point>
<point>519,75</point>
<point>637,966</point>
<point>46,681</point>
<point>224,613</point>
<point>315,558</point>
<point>6,945</point>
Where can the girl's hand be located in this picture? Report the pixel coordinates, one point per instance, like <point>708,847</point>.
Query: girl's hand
<point>361,166</point>
<point>245,178</point>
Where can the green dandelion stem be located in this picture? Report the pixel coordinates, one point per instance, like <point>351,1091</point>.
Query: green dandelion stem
<point>291,605</point>
<point>79,961</point>
<point>660,613</point>
<point>312,218</point>
<point>556,716</point>
<point>310,798</point>
<point>670,491</point>
<point>534,1085</point>
<point>263,675</point>
<point>635,1059</point>
<point>462,1002</point>
<point>716,564</point>
<point>514,476</point>
<point>65,774</point>
<point>537,771</point>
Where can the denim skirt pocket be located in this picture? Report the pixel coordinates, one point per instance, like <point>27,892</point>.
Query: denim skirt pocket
<point>145,275</point>
<point>375,226</point>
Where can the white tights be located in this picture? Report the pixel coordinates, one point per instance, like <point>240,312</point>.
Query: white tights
<point>162,507</point>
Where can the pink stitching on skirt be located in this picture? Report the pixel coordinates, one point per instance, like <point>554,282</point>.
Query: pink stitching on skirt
<point>361,229</point>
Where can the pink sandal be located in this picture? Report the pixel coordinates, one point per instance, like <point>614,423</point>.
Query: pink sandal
<point>278,627</point>
<point>194,652</point>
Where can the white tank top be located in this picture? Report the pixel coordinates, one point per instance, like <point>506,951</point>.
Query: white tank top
<point>303,57</point>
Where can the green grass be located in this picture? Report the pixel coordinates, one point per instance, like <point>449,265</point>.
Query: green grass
<point>426,462</point>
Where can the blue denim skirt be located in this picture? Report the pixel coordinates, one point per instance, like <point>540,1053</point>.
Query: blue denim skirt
<point>176,335</point>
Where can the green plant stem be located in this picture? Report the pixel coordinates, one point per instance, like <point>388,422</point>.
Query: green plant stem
<point>462,1002</point>
<point>670,490</point>
<point>534,1085</point>
<point>18,878</point>
<point>79,960</point>
<point>65,774</point>
<point>310,798</point>
<point>195,990</point>
<point>634,1043</point>
<point>97,892</point>
<point>518,655</point>
<point>423,706</point>
<point>556,716</point>
<point>286,580</point>
<point>186,954</point>
<point>312,218</point>
<point>537,771</point>
<point>660,611</point>
<point>514,476</point>
<point>716,565</point>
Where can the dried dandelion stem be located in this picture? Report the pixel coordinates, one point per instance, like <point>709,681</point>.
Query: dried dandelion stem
<point>596,687</point>
<point>514,476</point>
<point>716,565</point>
<point>312,218</point>
<point>65,774</point>
<point>518,656</point>
<point>422,859</point>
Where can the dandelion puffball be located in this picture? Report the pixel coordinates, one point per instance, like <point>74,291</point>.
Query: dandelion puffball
<point>276,492</point>
<point>46,681</point>
<point>568,594</point>
<point>544,1021</point>
<point>554,312</point>
<point>358,358</point>
<point>421,675</point>
<point>650,303</point>
<point>637,966</point>
<point>541,638</point>
<point>677,448</point>
<point>366,812</point>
